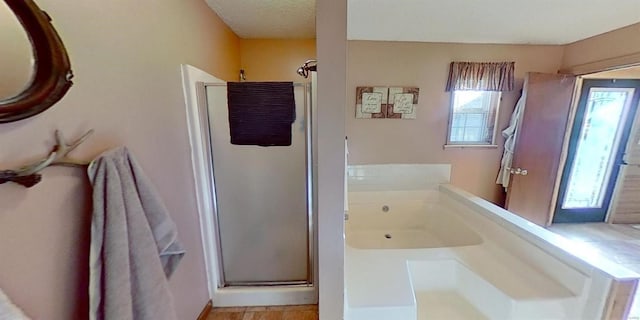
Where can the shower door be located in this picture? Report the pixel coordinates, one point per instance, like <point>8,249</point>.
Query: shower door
<point>263,207</point>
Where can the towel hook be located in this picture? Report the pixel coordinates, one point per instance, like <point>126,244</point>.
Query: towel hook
<point>29,175</point>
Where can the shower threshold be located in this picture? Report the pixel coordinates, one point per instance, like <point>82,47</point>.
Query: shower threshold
<point>303,283</point>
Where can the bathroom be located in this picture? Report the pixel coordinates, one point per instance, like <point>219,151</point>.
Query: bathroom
<point>126,59</point>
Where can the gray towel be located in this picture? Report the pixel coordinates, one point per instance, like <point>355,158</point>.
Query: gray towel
<point>8,310</point>
<point>134,246</point>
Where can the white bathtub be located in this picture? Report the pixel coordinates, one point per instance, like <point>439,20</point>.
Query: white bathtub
<point>441,253</point>
<point>404,220</point>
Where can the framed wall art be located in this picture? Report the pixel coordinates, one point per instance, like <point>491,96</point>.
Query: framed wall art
<point>402,103</point>
<point>371,102</point>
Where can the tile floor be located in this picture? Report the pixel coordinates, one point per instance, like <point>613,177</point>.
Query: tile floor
<point>618,242</point>
<point>306,312</point>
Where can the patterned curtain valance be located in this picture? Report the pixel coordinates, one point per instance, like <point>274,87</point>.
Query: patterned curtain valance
<point>486,76</point>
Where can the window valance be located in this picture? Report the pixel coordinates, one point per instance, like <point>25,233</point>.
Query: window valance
<point>485,76</point>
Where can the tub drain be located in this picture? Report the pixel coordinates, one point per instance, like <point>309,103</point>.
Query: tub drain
<point>388,236</point>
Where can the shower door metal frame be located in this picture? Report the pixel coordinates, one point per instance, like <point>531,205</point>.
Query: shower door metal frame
<point>310,186</point>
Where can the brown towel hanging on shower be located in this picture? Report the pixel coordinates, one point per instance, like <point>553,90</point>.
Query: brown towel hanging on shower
<point>261,113</point>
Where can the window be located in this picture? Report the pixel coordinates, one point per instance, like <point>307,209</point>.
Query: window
<point>473,117</point>
<point>475,96</point>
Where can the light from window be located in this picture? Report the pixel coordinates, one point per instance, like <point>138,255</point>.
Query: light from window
<point>473,117</point>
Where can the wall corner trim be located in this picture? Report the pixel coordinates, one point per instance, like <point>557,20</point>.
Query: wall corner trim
<point>623,61</point>
<point>192,78</point>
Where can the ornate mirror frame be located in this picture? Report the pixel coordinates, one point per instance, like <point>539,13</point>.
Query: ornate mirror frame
<point>52,73</point>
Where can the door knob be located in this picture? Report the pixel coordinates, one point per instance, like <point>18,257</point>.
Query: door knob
<point>519,171</point>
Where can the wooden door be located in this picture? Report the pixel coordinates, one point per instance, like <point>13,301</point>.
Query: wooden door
<point>539,145</point>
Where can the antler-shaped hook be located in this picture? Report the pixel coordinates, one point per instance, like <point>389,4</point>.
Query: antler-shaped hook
<point>62,149</point>
<point>29,175</point>
<point>58,155</point>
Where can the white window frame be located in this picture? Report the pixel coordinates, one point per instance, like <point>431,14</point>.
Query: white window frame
<point>458,144</point>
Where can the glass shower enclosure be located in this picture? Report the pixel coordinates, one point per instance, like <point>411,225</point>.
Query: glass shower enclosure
<point>263,200</point>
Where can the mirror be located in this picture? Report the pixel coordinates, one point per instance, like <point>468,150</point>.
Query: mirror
<point>17,58</point>
<point>27,88</point>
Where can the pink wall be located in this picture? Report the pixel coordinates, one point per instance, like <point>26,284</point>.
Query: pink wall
<point>275,59</point>
<point>331,31</point>
<point>126,56</point>
<point>426,65</point>
<point>15,59</point>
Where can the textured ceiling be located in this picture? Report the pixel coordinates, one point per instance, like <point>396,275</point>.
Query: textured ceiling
<point>462,21</point>
<point>488,21</point>
<point>268,19</point>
